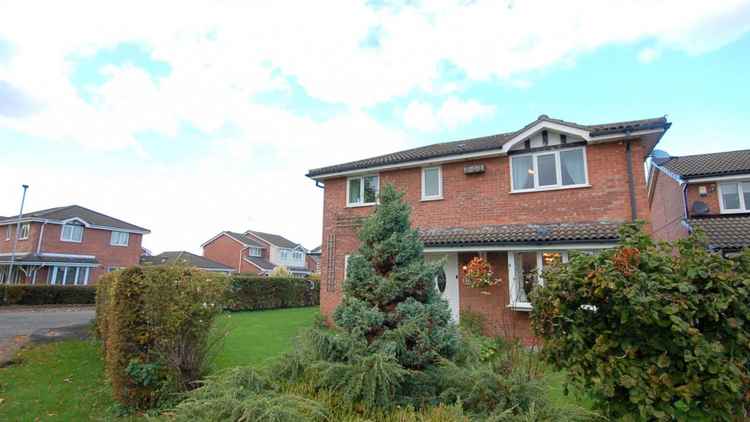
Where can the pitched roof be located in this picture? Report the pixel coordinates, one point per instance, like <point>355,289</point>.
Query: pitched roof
<point>603,231</point>
<point>76,211</point>
<point>485,143</point>
<point>184,257</point>
<point>274,239</point>
<point>725,231</point>
<point>247,241</point>
<point>261,263</point>
<point>316,251</point>
<point>34,258</point>
<point>707,165</point>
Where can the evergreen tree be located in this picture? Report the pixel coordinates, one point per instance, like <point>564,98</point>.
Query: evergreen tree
<point>390,298</point>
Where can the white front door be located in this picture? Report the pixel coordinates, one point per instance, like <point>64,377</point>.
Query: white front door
<point>449,290</point>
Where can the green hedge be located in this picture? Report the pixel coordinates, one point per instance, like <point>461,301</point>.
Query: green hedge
<point>24,294</point>
<point>252,293</point>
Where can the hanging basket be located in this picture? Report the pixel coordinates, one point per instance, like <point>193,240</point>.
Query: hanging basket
<point>478,274</point>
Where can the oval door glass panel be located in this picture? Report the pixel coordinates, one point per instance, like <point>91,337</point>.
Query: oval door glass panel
<point>440,280</point>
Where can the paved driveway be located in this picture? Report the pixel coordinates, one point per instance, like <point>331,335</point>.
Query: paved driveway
<point>24,322</point>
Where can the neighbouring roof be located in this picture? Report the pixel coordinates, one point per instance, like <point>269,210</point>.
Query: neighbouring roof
<point>707,165</point>
<point>184,257</point>
<point>726,231</point>
<point>522,234</point>
<point>261,263</point>
<point>43,259</point>
<point>247,241</point>
<point>316,251</point>
<point>274,239</point>
<point>485,143</point>
<point>76,211</point>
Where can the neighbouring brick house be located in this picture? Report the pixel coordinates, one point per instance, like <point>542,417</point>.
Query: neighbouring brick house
<point>69,245</point>
<point>521,199</point>
<point>710,192</point>
<point>257,252</point>
<point>313,260</point>
<point>186,258</point>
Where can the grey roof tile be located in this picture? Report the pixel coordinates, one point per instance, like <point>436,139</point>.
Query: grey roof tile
<point>727,231</point>
<point>183,257</point>
<point>34,258</point>
<point>248,241</point>
<point>507,234</point>
<point>485,143</point>
<point>274,239</point>
<point>72,211</point>
<point>707,165</point>
<point>262,263</point>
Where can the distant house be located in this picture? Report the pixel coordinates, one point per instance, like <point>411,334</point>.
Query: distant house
<point>69,245</point>
<point>710,192</point>
<point>313,259</point>
<point>186,258</point>
<point>256,252</point>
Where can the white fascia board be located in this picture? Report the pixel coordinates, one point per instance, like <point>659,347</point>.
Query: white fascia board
<point>719,178</point>
<point>64,255</point>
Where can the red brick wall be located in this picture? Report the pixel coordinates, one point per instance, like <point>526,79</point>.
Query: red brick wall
<point>667,210</point>
<point>476,200</point>
<point>711,198</point>
<point>226,250</point>
<point>95,242</point>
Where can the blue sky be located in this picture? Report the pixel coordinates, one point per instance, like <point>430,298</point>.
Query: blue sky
<point>210,120</point>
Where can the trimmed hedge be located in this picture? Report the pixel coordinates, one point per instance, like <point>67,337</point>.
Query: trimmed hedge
<point>254,293</point>
<point>24,294</point>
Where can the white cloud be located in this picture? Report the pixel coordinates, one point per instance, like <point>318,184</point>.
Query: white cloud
<point>452,113</point>
<point>648,55</point>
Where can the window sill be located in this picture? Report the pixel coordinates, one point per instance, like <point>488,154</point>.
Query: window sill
<point>119,246</point>
<point>735,211</point>
<point>71,241</point>
<point>520,307</point>
<point>551,189</point>
<point>371,204</point>
<point>435,198</point>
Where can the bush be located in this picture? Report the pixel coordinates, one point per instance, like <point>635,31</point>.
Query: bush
<point>281,271</point>
<point>24,294</point>
<point>651,331</point>
<point>155,324</point>
<point>253,293</point>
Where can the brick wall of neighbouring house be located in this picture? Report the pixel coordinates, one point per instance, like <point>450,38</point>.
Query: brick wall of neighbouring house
<point>22,246</point>
<point>476,200</point>
<point>227,251</point>
<point>667,209</point>
<point>711,198</point>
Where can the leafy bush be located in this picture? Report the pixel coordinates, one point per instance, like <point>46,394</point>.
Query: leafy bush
<point>24,294</point>
<point>281,271</point>
<point>252,293</point>
<point>155,324</point>
<point>651,331</point>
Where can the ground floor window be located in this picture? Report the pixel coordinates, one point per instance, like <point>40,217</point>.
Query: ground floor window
<point>526,273</point>
<point>68,276</point>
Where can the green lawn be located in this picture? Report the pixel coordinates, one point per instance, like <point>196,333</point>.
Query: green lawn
<point>65,381</point>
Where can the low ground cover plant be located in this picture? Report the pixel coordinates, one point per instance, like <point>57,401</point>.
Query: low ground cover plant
<point>652,331</point>
<point>155,324</point>
<point>393,353</point>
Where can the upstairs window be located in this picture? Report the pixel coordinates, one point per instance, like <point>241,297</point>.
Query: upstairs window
<point>72,233</point>
<point>7,231</point>
<point>362,190</point>
<point>549,170</point>
<point>735,196</point>
<point>432,183</point>
<point>253,251</point>
<point>23,232</point>
<point>119,239</point>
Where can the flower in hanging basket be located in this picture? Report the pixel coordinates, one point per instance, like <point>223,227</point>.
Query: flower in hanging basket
<point>479,274</point>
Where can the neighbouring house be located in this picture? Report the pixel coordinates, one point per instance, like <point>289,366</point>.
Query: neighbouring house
<point>256,252</point>
<point>710,192</point>
<point>522,200</point>
<point>186,258</point>
<point>313,260</point>
<point>69,245</point>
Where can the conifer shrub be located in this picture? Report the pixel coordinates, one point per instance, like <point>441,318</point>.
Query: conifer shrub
<point>155,325</point>
<point>652,331</point>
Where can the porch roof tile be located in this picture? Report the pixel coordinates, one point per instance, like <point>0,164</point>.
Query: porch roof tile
<point>506,234</point>
<point>728,231</point>
<point>44,259</point>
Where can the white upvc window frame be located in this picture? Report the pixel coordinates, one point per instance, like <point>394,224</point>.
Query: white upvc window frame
<point>57,275</point>
<point>8,230</point>
<point>346,266</point>
<point>513,285</point>
<point>558,170</point>
<point>439,195</point>
<point>255,251</point>
<point>744,207</point>
<point>361,178</point>
<point>115,234</point>
<point>63,238</point>
<point>24,231</point>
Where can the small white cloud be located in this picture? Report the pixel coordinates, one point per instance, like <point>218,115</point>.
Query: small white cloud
<point>648,55</point>
<point>451,114</point>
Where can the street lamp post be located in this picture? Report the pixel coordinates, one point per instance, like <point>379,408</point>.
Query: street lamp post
<point>15,236</point>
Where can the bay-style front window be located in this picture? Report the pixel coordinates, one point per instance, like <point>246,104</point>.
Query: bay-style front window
<point>735,196</point>
<point>362,190</point>
<point>68,276</point>
<point>549,170</point>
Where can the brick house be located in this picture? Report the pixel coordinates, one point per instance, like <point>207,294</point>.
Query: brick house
<point>522,200</point>
<point>69,245</point>
<point>256,252</point>
<point>710,192</point>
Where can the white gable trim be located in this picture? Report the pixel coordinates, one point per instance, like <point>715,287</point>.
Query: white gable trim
<point>224,233</point>
<point>545,125</point>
